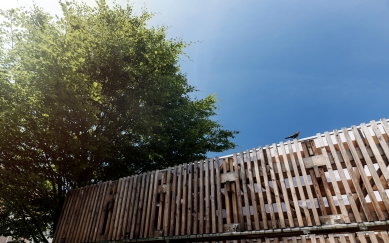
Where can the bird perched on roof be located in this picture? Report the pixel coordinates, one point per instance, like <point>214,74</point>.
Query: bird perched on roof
<point>293,136</point>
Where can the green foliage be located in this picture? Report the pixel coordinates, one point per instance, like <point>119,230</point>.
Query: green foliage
<point>94,95</point>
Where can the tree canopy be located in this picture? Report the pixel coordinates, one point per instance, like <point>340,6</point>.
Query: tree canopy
<point>91,96</point>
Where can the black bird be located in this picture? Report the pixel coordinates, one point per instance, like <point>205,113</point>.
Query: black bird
<point>293,136</point>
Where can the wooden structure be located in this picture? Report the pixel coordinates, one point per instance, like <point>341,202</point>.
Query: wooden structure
<point>329,188</point>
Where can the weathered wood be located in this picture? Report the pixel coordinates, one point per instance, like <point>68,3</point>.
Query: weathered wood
<point>361,171</point>
<point>245,194</point>
<point>291,186</point>
<point>333,179</point>
<point>268,188</point>
<point>285,196</point>
<point>343,178</point>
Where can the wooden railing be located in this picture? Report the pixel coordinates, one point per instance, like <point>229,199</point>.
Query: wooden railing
<point>336,178</point>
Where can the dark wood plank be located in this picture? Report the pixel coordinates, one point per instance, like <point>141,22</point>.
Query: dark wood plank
<point>184,199</point>
<point>250,173</point>
<point>195,197</point>
<point>218,197</point>
<point>189,200</point>
<point>178,199</point>
<point>238,186</point>
<point>173,203</point>
<point>154,204</point>
<point>166,215</point>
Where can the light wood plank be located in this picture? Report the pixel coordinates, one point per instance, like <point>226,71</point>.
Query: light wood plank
<point>252,188</point>
<point>267,188</point>
<point>100,211</point>
<point>218,197</point>
<point>260,192</point>
<point>343,178</point>
<point>380,138</point>
<point>361,237</point>
<point>319,197</point>
<point>291,185</point>
<point>299,186</point>
<point>372,170</point>
<point>88,222</point>
<point>245,193</point>
<point>83,211</point>
<point>362,173</point>
<point>333,179</point>
<point>373,237</point>
<point>283,187</point>
<point>384,236</point>
<point>275,188</point>
<point>238,186</point>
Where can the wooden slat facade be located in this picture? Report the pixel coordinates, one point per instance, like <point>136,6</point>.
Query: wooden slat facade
<point>336,178</point>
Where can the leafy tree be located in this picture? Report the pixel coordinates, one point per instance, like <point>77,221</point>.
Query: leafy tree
<point>94,95</point>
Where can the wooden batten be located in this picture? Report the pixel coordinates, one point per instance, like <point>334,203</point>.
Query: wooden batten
<point>334,178</point>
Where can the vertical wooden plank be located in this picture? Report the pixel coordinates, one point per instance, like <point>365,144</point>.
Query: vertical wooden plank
<point>233,194</point>
<point>291,185</point>
<point>218,197</point>
<point>321,238</point>
<point>372,236</point>
<point>63,217</point>
<point>362,173</point>
<point>144,206</point>
<point>372,170</point>
<point>327,190</point>
<point>135,206</point>
<point>173,203</point>
<point>190,203</point>
<point>201,198</point>
<point>95,213</point>
<point>252,189</point>
<point>238,186</point>
<point>275,188</point>
<point>343,178</point>
<point>260,192</point>
<point>283,187</point>
<point>178,199</point>
<point>84,206</point>
<point>267,188</point>
<point>195,197</point>
<point>149,204</point>
<point>361,237</point>
<point>299,186</point>
<point>245,192</point>
<point>88,213</point>
<point>213,193</point>
<point>333,179</point>
<point>380,138</point>
<point>306,182</point>
<point>161,204</point>
<point>74,218</point>
<point>154,204</point>
<point>142,199</point>
<point>331,238</point>
<point>319,197</point>
<point>376,152</point>
<point>100,212</point>
<point>384,236</point>
<point>70,214</point>
<point>207,200</point>
<point>127,215</point>
<point>118,205</point>
<point>184,197</point>
<point>351,238</point>
<point>166,207</point>
<point>120,231</point>
<point>313,238</point>
<point>226,194</point>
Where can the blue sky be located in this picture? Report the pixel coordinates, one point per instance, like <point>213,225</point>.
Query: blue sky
<point>280,66</point>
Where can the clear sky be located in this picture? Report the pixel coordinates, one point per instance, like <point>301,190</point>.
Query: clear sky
<point>279,67</point>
